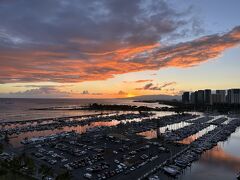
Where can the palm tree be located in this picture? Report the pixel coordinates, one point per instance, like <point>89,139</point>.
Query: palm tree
<point>64,176</point>
<point>45,170</point>
<point>1,147</point>
<point>6,138</point>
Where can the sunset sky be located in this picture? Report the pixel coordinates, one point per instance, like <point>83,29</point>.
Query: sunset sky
<point>117,48</point>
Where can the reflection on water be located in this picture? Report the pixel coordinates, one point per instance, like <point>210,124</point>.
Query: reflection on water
<point>222,162</point>
<point>102,123</point>
<point>148,134</point>
<point>193,137</point>
<point>153,133</point>
<point>156,114</point>
<point>217,156</point>
<point>173,127</point>
<point>15,140</point>
<point>162,113</point>
<point>30,114</point>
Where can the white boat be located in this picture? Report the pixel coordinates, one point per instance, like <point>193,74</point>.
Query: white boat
<point>238,176</point>
<point>171,171</point>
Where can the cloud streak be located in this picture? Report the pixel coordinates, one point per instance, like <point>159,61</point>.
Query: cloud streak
<point>139,81</point>
<point>151,86</point>
<point>41,92</point>
<point>43,66</point>
<point>122,93</point>
<point>68,41</point>
<point>50,91</point>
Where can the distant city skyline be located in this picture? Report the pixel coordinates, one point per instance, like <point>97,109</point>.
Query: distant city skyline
<point>210,97</point>
<point>117,49</point>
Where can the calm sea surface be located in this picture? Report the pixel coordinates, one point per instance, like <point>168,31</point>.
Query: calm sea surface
<point>19,109</point>
<point>220,163</point>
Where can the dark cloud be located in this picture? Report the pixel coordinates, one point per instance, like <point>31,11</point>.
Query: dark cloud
<point>31,66</point>
<point>122,93</point>
<point>84,25</point>
<point>148,86</point>
<point>43,86</point>
<point>151,86</point>
<point>80,40</point>
<point>139,81</point>
<point>168,84</point>
<point>47,91</point>
<point>42,92</point>
<point>35,86</point>
<point>85,92</point>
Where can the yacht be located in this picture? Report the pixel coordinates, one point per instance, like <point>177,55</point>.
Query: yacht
<point>238,176</point>
<point>171,171</point>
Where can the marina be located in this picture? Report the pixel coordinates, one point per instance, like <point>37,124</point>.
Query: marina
<point>119,90</point>
<point>118,145</point>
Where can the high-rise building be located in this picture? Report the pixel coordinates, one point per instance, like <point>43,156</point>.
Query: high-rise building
<point>233,96</point>
<point>185,97</point>
<point>200,97</point>
<point>221,95</point>
<point>216,98</point>
<point>207,96</point>
<point>193,98</point>
<point>228,97</point>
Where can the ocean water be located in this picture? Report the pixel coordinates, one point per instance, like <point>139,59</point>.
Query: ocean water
<point>20,109</point>
<point>222,162</point>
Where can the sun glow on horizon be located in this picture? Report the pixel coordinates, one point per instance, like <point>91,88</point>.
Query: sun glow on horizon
<point>129,95</point>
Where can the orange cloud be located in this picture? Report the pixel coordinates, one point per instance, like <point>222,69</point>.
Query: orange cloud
<point>61,64</point>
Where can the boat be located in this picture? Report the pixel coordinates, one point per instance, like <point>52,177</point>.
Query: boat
<point>171,171</point>
<point>238,176</point>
